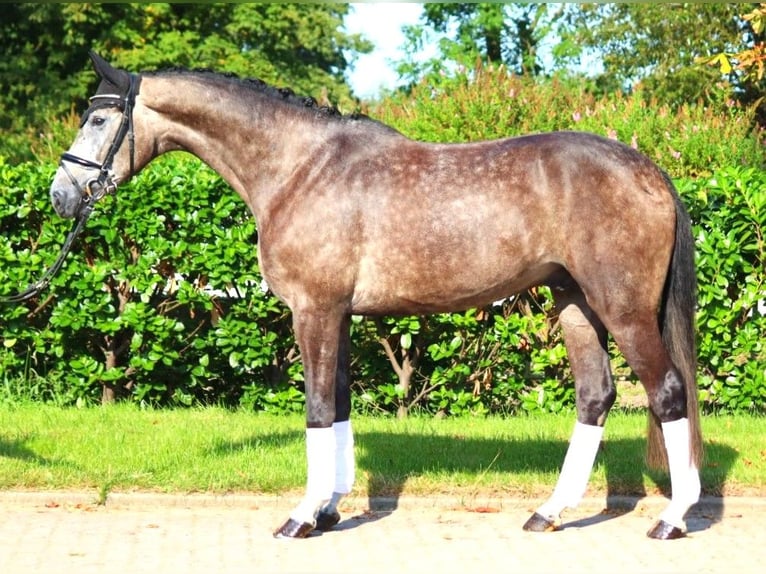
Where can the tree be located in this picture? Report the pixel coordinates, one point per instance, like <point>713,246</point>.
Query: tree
<point>655,47</point>
<point>499,33</point>
<point>748,65</point>
<point>44,68</point>
<point>658,45</point>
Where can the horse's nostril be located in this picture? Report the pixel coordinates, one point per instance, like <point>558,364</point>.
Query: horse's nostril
<point>57,198</point>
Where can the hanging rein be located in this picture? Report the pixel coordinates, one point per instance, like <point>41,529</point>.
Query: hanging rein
<point>96,187</point>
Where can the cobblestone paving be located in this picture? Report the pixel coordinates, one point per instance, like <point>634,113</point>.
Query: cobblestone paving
<point>67,533</point>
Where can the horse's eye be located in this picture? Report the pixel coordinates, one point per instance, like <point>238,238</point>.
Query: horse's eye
<point>98,121</point>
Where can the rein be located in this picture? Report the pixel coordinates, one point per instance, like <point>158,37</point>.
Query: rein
<point>36,287</point>
<point>104,182</point>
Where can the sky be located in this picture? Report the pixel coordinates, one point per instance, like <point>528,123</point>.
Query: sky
<point>381,24</point>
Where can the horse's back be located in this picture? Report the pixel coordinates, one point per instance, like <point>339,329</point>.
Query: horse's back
<point>461,225</point>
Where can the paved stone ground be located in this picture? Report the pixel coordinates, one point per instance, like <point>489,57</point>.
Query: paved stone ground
<point>66,533</point>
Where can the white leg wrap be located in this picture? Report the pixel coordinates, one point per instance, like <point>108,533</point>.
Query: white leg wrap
<point>575,471</point>
<point>684,476</point>
<point>344,457</point>
<point>344,464</point>
<point>320,457</point>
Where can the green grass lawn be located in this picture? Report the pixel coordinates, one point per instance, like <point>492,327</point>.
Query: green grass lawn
<point>213,450</point>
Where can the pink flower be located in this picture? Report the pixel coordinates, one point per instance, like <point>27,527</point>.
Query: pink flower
<point>576,116</point>
<point>634,141</point>
<point>611,134</point>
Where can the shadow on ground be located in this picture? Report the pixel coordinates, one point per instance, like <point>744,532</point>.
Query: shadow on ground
<point>18,450</point>
<point>390,459</point>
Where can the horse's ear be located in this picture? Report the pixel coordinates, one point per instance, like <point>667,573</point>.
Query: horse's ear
<point>103,68</point>
<point>119,79</point>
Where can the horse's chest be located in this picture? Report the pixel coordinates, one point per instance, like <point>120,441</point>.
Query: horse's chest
<point>306,266</point>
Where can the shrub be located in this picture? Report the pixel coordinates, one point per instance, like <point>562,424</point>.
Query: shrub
<point>162,298</point>
<point>694,144</point>
<point>162,302</point>
<point>489,103</point>
<point>729,211</point>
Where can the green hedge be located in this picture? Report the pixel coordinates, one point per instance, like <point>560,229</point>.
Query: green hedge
<point>162,301</point>
<point>691,141</point>
<point>132,308</point>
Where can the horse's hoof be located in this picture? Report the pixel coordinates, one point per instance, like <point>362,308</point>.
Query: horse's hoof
<point>326,520</point>
<point>293,529</point>
<point>538,523</point>
<point>665,531</point>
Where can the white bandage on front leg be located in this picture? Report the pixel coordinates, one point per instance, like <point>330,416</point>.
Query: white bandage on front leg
<point>344,457</point>
<point>320,458</point>
<point>575,471</point>
<point>344,464</point>
<point>684,476</point>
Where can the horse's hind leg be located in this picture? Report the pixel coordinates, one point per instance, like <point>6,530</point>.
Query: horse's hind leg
<point>586,342</point>
<point>641,344</point>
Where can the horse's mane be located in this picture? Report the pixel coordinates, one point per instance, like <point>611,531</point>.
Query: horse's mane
<point>257,85</point>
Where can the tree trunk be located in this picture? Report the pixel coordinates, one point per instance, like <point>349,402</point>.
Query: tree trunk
<point>404,372</point>
<point>404,369</point>
<point>117,344</point>
<point>108,390</point>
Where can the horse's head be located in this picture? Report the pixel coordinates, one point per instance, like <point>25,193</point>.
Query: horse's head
<point>102,155</point>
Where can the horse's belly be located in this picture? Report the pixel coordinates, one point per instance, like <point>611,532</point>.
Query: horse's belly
<point>397,293</point>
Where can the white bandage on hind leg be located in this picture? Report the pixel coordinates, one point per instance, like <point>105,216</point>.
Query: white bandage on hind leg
<point>684,476</point>
<point>575,471</point>
<point>320,458</point>
<point>344,457</point>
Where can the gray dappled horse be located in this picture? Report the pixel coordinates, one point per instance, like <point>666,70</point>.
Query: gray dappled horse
<point>355,218</point>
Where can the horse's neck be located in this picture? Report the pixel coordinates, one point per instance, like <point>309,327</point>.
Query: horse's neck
<point>250,147</point>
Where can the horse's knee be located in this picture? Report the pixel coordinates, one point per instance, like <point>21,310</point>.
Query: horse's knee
<point>320,420</point>
<point>320,408</point>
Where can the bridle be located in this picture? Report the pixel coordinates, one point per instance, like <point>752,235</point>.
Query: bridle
<point>104,182</point>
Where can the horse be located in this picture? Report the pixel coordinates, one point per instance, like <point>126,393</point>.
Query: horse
<point>354,218</point>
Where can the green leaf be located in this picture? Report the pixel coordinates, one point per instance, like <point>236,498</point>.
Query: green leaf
<point>405,340</point>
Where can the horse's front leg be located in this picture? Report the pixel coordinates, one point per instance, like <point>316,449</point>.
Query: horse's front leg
<point>317,333</point>
<point>328,515</point>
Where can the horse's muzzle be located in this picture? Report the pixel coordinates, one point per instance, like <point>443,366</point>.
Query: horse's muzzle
<point>64,204</point>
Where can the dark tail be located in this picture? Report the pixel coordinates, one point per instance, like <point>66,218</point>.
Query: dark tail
<point>677,323</point>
